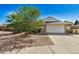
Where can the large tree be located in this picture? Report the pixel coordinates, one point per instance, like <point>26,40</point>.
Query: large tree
<point>24,19</point>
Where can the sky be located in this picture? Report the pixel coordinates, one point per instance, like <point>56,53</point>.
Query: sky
<point>69,12</point>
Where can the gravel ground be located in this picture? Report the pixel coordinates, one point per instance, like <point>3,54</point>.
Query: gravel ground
<point>31,41</point>
<point>41,40</point>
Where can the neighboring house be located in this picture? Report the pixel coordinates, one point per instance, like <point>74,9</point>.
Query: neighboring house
<point>5,28</point>
<point>53,25</point>
<point>75,27</point>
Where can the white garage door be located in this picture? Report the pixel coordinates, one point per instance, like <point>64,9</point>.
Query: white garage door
<point>55,29</point>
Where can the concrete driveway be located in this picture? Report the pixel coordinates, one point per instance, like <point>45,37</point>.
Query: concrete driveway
<point>65,44</point>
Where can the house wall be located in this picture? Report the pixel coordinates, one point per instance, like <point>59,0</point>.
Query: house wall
<point>75,31</point>
<point>78,31</point>
<point>68,29</point>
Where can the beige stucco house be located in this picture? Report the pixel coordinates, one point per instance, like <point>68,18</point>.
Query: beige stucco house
<point>75,29</point>
<point>53,25</point>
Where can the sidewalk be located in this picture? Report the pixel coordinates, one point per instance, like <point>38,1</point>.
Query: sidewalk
<point>33,50</point>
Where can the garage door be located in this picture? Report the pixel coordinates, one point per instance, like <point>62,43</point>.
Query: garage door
<point>55,29</point>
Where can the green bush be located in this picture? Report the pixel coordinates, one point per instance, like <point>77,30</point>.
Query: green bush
<point>25,19</point>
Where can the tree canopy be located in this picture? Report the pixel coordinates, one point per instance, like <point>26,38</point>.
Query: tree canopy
<point>76,22</point>
<point>25,19</point>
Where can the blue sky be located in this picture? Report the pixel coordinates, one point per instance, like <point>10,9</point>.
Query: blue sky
<point>62,12</point>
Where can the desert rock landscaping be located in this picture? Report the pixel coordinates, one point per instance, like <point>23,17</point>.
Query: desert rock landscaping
<point>19,41</point>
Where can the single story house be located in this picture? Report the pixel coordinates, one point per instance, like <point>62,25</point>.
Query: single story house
<point>75,27</point>
<point>53,25</point>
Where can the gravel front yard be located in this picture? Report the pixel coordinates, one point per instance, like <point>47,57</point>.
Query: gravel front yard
<point>31,41</point>
<point>41,40</point>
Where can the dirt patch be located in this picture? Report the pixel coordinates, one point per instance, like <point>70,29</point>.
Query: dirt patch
<point>41,40</point>
<point>31,41</point>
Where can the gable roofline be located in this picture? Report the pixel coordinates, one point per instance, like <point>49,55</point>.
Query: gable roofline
<point>51,19</point>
